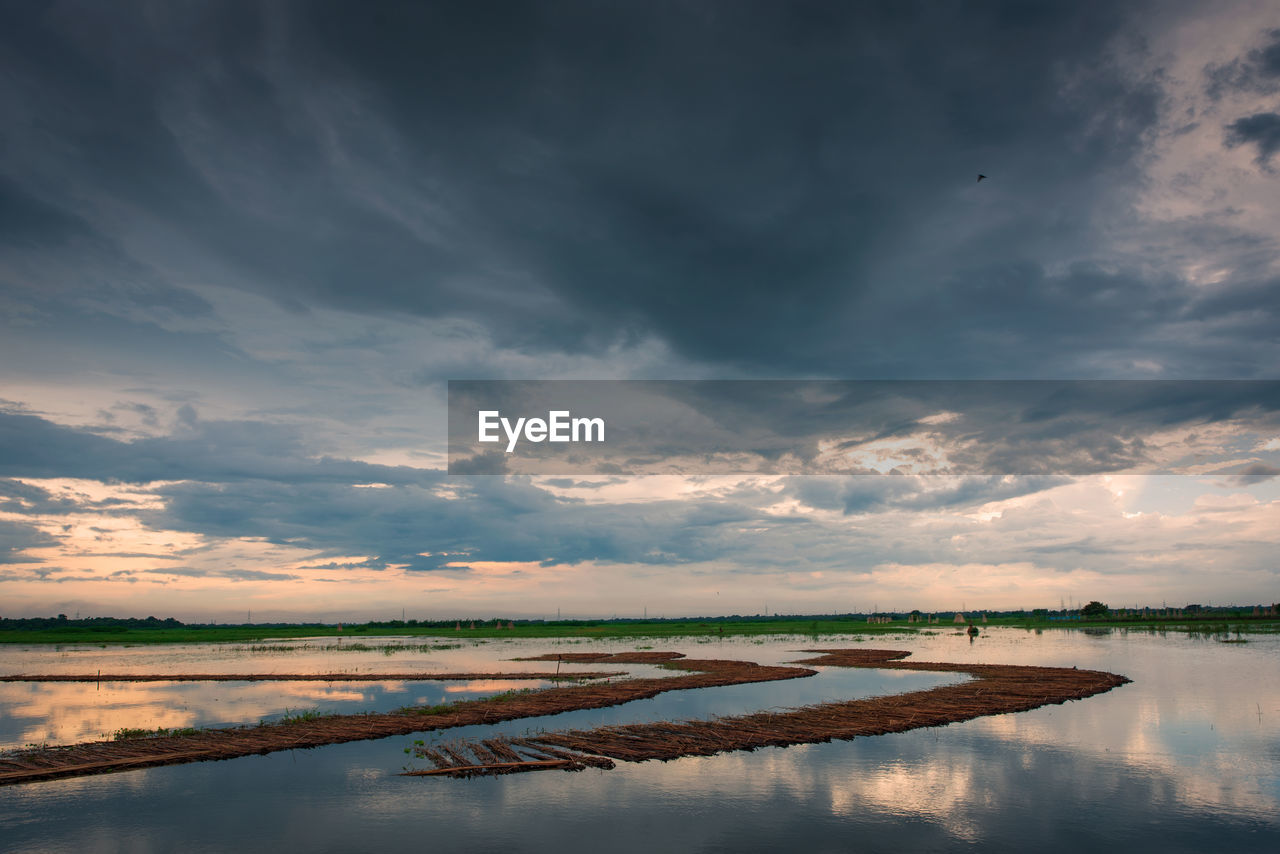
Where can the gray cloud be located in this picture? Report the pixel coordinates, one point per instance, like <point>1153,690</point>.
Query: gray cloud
<point>230,480</point>
<point>1257,71</point>
<point>492,462</point>
<point>17,537</point>
<point>1261,130</point>
<point>221,451</point>
<point>1253,474</point>
<point>494,520</point>
<point>19,497</point>
<point>854,495</point>
<point>233,574</point>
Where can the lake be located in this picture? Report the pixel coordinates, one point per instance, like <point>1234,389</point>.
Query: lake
<point>1185,758</point>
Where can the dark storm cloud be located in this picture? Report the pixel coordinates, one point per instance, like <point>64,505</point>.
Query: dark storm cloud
<point>783,187</point>
<point>1261,130</point>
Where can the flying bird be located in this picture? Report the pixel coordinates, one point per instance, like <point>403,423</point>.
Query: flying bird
<point>980,177</point>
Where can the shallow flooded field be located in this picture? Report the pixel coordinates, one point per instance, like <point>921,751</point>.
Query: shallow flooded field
<point>1187,757</point>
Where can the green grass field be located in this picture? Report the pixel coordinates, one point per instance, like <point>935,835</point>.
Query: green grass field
<point>99,633</point>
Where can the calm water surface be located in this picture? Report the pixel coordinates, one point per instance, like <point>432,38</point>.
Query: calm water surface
<point>1187,758</point>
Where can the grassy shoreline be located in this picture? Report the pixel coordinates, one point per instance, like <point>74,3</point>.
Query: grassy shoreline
<point>81,632</point>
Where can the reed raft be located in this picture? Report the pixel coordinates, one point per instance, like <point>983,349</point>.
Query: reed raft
<point>995,689</point>
<point>303,677</point>
<point>100,757</point>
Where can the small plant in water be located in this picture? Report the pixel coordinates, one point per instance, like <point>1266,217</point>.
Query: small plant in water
<point>292,717</point>
<point>439,709</point>
<point>130,733</point>
<point>513,694</point>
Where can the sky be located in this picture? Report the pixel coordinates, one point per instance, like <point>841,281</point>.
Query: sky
<point>244,247</point>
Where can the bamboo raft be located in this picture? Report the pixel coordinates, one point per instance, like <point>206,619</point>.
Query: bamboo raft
<point>100,757</point>
<point>995,689</point>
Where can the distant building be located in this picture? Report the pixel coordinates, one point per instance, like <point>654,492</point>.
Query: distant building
<point>959,618</point>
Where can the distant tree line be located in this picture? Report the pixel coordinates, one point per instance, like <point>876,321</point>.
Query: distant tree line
<point>1093,610</point>
<point>98,624</point>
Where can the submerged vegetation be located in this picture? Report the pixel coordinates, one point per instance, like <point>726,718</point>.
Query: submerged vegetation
<point>385,649</point>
